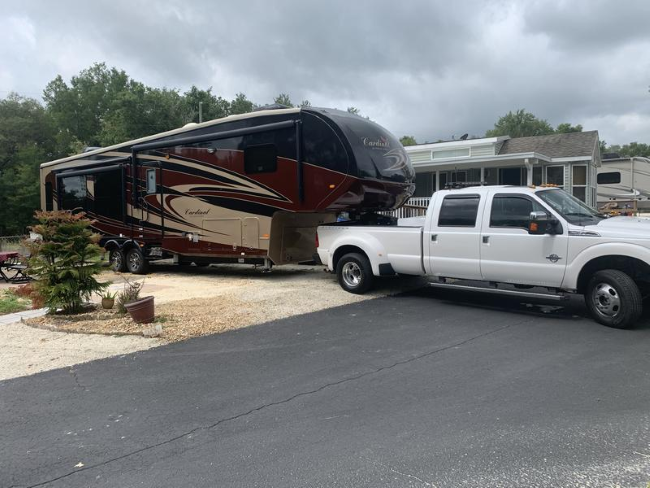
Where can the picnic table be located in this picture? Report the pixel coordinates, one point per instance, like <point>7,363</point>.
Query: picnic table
<point>10,263</point>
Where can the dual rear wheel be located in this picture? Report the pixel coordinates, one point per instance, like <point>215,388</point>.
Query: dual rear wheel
<point>132,261</point>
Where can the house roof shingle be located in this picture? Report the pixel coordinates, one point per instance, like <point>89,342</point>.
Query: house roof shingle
<point>572,144</point>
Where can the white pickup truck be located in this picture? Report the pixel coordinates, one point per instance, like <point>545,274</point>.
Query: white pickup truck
<point>522,236</point>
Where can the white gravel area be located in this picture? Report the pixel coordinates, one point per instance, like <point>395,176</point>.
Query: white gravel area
<point>197,301</point>
<point>25,350</point>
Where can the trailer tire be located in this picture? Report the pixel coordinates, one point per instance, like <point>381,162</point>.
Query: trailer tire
<point>135,261</point>
<point>613,299</point>
<point>354,273</point>
<point>117,260</point>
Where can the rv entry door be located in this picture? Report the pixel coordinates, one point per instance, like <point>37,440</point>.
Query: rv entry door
<point>148,208</point>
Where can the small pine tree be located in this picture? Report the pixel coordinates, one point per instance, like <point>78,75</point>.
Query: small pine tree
<point>66,260</point>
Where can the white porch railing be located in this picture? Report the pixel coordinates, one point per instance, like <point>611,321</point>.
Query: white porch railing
<point>414,207</point>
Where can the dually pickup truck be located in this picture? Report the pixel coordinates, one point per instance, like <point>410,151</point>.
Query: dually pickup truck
<point>523,236</point>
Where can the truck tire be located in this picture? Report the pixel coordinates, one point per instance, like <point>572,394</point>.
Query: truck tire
<point>135,261</point>
<point>117,260</point>
<point>354,273</point>
<point>614,299</point>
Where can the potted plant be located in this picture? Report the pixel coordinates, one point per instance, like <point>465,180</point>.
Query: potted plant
<point>140,309</point>
<point>108,300</point>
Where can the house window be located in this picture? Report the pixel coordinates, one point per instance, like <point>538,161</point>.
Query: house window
<point>459,176</point>
<point>491,176</point>
<point>537,175</point>
<point>451,153</point>
<point>579,187</point>
<point>424,184</point>
<point>459,211</point>
<point>555,175</point>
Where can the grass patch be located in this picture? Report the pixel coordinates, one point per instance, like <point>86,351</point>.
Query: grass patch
<point>10,302</point>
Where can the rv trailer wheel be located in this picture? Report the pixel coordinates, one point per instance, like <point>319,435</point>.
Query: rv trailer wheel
<point>354,273</point>
<point>135,261</point>
<point>117,260</point>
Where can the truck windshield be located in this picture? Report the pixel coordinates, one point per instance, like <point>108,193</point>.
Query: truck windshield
<point>572,209</point>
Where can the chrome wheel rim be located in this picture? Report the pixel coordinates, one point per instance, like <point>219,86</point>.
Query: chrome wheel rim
<point>116,260</point>
<point>352,274</point>
<point>134,260</point>
<point>606,300</point>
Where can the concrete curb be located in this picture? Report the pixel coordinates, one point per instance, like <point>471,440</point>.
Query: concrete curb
<point>12,318</point>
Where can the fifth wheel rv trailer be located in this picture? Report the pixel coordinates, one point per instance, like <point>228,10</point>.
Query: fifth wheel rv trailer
<point>624,182</point>
<point>247,188</point>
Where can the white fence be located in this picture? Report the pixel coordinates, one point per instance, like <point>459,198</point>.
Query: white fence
<point>414,207</point>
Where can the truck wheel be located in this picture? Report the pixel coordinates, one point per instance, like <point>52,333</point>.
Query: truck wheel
<point>614,299</point>
<point>354,273</point>
<point>135,261</point>
<point>118,261</point>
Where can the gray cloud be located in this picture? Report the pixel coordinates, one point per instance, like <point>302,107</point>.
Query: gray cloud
<point>430,69</point>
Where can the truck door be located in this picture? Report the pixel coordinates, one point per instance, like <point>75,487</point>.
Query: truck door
<point>510,254</point>
<point>454,237</point>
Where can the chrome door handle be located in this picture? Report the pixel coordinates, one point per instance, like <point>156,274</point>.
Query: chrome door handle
<point>486,239</point>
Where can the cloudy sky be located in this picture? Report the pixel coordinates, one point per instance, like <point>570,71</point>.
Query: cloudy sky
<point>431,69</point>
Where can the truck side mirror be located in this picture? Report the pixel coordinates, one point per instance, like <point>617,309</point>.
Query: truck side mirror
<point>540,223</point>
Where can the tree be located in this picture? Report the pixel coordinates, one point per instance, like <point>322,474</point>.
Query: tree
<point>241,105</point>
<point>566,128</point>
<point>283,99</point>
<point>66,260</point>
<point>630,150</point>
<point>213,107</point>
<point>354,110</point>
<point>408,141</point>
<point>305,103</point>
<point>27,139</point>
<point>520,124</point>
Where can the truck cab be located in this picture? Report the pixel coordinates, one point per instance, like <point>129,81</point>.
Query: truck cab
<point>504,235</point>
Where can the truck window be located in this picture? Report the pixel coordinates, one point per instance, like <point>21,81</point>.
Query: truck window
<point>459,211</point>
<point>512,211</point>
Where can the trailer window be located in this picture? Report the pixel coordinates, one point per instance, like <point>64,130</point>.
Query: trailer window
<point>609,178</point>
<point>108,194</point>
<point>49,197</point>
<point>262,158</point>
<point>73,192</point>
<point>151,181</point>
<point>459,211</point>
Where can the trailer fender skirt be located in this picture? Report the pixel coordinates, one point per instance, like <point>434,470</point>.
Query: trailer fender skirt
<point>386,269</point>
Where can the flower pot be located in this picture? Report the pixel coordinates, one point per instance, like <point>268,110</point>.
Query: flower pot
<point>141,311</point>
<point>107,303</point>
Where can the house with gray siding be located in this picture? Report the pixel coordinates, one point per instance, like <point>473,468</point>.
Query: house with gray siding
<point>567,160</point>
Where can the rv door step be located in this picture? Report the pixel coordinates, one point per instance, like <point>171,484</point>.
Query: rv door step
<point>501,291</point>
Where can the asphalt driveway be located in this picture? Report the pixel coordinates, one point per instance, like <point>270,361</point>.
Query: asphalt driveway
<point>417,390</point>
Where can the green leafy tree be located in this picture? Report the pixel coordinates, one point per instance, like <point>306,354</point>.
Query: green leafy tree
<point>630,150</point>
<point>283,99</point>
<point>241,105</point>
<point>566,128</point>
<point>520,124</point>
<point>408,141</point>
<point>27,138</point>
<point>65,261</point>
<point>213,107</point>
<point>305,103</point>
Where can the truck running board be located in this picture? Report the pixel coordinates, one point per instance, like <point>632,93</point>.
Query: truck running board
<point>499,291</point>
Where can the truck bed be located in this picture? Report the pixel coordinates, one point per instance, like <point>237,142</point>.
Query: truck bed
<point>401,245</point>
